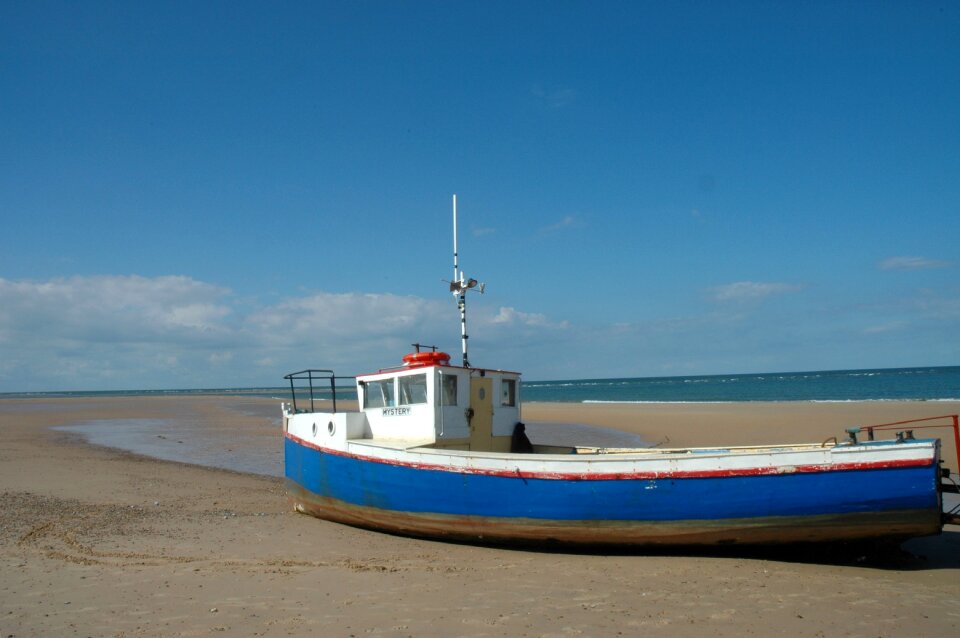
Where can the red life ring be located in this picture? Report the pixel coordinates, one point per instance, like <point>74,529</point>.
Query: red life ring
<point>426,359</point>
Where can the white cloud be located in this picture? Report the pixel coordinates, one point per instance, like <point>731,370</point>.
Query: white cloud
<point>511,316</point>
<point>567,222</point>
<point>327,315</point>
<point>116,332</point>
<point>744,290</point>
<point>891,326</point>
<point>111,331</point>
<point>554,98</point>
<point>912,263</point>
<point>112,308</point>
<point>220,358</point>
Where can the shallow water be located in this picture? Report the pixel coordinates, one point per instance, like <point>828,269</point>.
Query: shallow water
<point>187,440</point>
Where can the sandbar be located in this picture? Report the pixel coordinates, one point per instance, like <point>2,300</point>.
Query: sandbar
<point>100,542</point>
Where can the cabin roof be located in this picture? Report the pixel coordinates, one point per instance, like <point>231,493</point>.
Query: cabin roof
<point>405,368</point>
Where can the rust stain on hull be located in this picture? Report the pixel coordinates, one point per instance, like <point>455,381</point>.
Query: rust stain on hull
<point>897,524</point>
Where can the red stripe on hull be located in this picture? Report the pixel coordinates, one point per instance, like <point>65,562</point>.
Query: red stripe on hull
<point>628,476</point>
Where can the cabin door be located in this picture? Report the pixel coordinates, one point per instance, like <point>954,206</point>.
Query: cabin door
<point>481,424</point>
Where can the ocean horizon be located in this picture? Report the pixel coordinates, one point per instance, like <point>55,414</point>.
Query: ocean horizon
<point>931,383</point>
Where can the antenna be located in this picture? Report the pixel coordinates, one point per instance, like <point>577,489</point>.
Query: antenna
<point>459,287</point>
<point>456,269</point>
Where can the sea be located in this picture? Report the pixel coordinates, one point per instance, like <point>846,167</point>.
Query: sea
<point>884,384</point>
<point>185,439</point>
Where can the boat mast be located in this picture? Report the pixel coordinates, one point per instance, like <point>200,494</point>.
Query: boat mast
<point>459,287</point>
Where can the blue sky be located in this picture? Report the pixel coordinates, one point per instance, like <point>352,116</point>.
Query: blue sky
<point>215,194</point>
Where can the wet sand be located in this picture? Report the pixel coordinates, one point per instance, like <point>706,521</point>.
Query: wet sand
<point>98,542</point>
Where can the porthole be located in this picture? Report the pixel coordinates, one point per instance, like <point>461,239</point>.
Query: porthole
<point>314,429</point>
<point>331,428</point>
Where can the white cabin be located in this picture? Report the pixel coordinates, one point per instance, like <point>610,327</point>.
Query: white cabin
<point>425,403</point>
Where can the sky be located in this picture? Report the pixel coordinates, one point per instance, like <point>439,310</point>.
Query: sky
<point>205,195</point>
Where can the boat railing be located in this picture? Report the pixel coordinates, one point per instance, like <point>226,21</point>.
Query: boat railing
<point>326,384</point>
<point>906,434</point>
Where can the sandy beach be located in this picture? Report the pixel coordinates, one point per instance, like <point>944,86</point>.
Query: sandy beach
<point>100,542</point>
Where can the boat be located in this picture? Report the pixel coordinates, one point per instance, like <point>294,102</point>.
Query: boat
<point>436,449</point>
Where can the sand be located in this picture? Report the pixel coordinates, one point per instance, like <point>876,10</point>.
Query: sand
<point>97,542</point>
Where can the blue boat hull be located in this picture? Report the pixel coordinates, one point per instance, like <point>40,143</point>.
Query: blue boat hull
<point>895,502</point>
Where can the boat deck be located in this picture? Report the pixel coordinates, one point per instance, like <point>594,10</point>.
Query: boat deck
<point>393,444</point>
<point>741,449</point>
<point>583,450</point>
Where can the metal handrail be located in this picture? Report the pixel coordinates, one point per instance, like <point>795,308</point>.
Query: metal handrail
<point>955,425</point>
<point>309,375</point>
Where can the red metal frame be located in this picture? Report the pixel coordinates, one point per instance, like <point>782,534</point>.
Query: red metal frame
<point>955,425</point>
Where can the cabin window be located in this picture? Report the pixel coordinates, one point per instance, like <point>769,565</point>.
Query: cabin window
<point>448,389</point>
<point>413,389</point>
<point>379,394</point>
<point>508,392</point>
